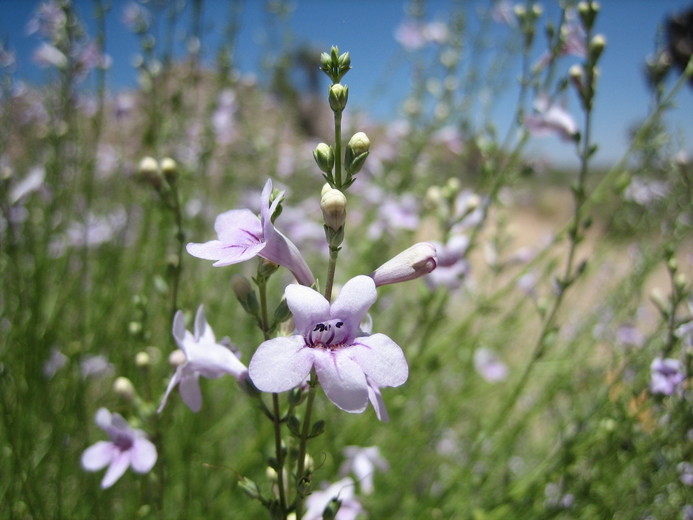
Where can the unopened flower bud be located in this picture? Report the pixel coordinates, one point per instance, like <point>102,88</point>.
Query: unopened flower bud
<point>124,388</point>
<point>245,294</point>
<point>149,169</point>
<point>356,152</point>
<point>143,359</point>
<point>680,281</point>
<point>418,260</point>
<point>331,509</point>
<point>338,96</point>
<point>433,198</point>
<point>324,157</point>
<point>333,206</point>
<point>176,358</point>
<point>169,168</point>
<point>588,12</point>
<point>596,47</point>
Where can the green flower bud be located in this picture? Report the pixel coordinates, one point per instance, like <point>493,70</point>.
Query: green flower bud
<point>245,294</point>
<point>588,13</point>
<point>333,206</point>
<point>596,47</point>
<point>149,169</point>
<point>356,152</point>
<point>324,157</point>
<point>331,509</point>
<point>338,96</point>
<point>169,168</point>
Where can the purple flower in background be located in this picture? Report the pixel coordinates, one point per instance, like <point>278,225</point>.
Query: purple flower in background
<point>203,357</point>
<point>349,365</point>
<point>489,366</point>
<point>551,118</point>
<point>363,462</point>
<point>452,264</point>
<point>666,376</point>
<point>127,447</point>
<point>242,236</point>
<point>685,470</point>
<point>343,491</point>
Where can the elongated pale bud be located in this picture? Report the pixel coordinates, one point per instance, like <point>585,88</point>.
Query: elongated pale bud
<point>333,206</point>
<point>418,260</point>
<point>356,152</point>
<point>324,157</point>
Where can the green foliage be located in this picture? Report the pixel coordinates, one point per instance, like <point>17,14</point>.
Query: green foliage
<point>91,264</point>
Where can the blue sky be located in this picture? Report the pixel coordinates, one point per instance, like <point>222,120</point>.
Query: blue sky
<point>366,27</point>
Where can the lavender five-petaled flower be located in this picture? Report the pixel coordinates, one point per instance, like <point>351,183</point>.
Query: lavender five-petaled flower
<point>203,357</point>
<point>348,363</point>
<point>127,447</point>
<point>551,118</point>
<point>667,376</point>
<point>242,236</point>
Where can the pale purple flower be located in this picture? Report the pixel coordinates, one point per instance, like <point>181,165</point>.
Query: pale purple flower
<point>550,118</point>
<point>49,19</point>
<point>243,236</point>
<point>204,356</point>
<point>489,366</point>
<point>362,463</point>
<point>224,117</point>
<point>343,491</point>
<point>95,366</point>
<point>667,375</point>
<point>47,55</point>
<point>349,364</point>
<point>7,56</point>
<point>410,35</point>
<point>32,182</point>
<point>128,447</point>
<point>685,470</point>
<point>414,262</point>
<point>55,362</point>
<point>646,191</point>
<point>504,12</point>
<point>452,265</point>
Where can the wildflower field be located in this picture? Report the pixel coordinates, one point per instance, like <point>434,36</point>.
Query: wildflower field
<point>232,296</point>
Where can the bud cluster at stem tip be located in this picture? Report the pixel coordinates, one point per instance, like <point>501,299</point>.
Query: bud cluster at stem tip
<point>335,65</point>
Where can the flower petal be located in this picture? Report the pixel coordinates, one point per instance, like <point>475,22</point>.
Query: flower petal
<point>239,226</point>
<point>282,251</point>
<point>342,379</point>
<point>376,399</point>
<point>171,384</point>
<point>280,364</point>
<point>308,307</point>
<point>143,455</point>
<point>189,389</point>
<point>354,300</point>
<point>224,253</point>
<point>381,359</point>
<point>98,455</point>
<point>179,328</point>
<point>116,469</point>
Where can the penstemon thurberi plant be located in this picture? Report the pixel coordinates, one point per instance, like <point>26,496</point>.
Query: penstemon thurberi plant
<point>330,345</point>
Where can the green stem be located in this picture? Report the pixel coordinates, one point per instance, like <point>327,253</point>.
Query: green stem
<point>338,150</point>
<point>331,268</point>
<point>276,421</point>
<point>303,446</point>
